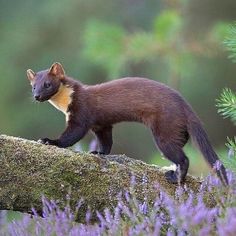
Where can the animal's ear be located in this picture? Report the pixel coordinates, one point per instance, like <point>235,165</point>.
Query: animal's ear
<point>30,75</point>
<point>57,70</point>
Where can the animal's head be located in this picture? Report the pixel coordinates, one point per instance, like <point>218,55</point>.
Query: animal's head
<point>46,83</point>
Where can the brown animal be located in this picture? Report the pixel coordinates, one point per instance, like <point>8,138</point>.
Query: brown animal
<point>98,107</point>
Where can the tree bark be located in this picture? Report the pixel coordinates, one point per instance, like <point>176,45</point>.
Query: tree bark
<point>30,170</point>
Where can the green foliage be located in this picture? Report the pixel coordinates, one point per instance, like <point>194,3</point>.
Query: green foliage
<point>139,46</point>
<point>230,42</point>
<point>104,45</point>
<point>117,50</point>
<point>227,104</point>
<point>167,26</point>
<point>232,147</point>
<point>111,47</point>
<point>230,161</point>
<point>220,31</point>
<point>227,107</point>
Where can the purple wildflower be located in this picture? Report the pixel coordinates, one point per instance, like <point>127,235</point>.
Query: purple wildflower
<point>185,214</point>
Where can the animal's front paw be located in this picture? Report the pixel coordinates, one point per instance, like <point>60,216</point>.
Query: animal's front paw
<point>47,141</point>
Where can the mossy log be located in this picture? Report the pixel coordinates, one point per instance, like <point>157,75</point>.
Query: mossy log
<point>30,170</point>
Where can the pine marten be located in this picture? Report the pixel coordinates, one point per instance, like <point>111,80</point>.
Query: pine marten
<point>98,107</point>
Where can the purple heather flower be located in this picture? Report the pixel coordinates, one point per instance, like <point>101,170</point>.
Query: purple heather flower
<point>133,181</point>
<point>182,215</point>
<point>127,196</point>
<point>143,208</point>
<point>88,216</point>
<point>93,145</point>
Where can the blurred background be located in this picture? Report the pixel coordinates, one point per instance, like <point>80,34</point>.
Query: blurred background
<point>177,42</point>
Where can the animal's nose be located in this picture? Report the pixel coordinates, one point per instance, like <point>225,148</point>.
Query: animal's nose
<point>37,97</point>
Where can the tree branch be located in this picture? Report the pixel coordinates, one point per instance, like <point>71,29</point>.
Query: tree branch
<point>29,169</point>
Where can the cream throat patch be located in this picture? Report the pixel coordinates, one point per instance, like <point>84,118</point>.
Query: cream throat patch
<point>62,99</point>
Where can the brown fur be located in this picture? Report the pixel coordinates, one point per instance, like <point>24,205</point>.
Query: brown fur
<point>98,107</point>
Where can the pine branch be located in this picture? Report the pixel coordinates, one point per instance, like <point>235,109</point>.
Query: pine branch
<point>230,42</point>
<point>227,104</point>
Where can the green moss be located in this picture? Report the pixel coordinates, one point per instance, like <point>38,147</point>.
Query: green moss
<point>29,169</point>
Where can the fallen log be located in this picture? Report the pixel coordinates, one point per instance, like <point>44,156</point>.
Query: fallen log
<point>30,170</point>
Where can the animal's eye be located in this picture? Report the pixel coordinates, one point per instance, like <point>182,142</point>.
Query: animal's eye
<point>47,85</point>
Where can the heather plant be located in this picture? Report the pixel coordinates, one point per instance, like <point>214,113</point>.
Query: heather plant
<point>188,213</point>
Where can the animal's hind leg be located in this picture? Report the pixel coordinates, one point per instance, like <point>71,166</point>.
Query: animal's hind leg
<point>172,150</point>
<point>182,163</point>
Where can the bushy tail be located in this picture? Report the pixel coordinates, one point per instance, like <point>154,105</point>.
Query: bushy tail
<point>200,137</point>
